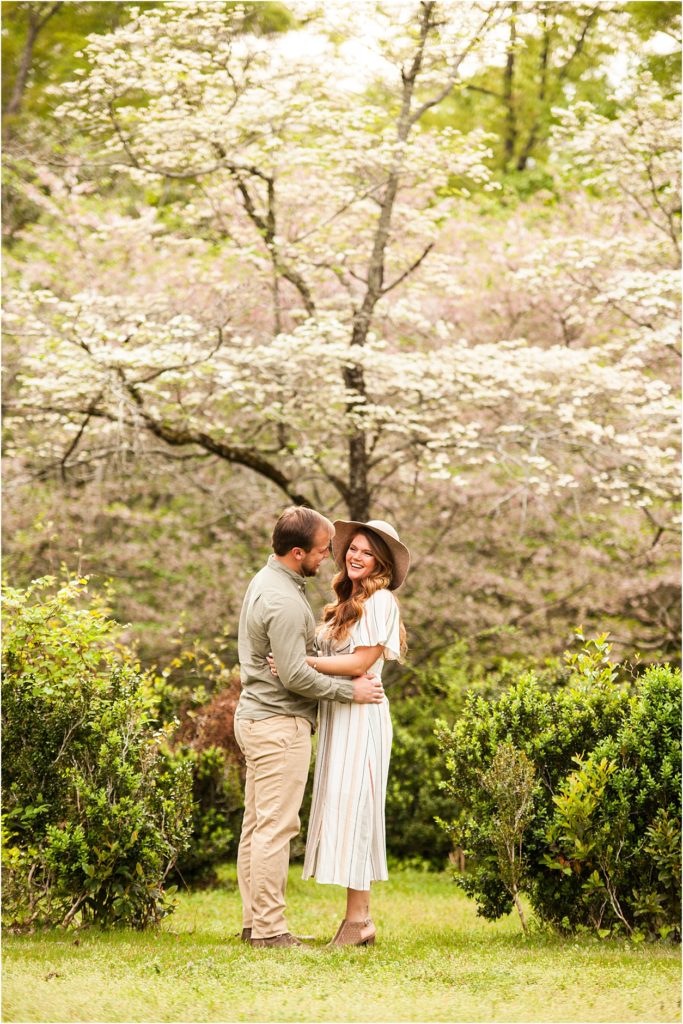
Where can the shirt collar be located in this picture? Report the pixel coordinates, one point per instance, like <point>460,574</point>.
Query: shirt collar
<point>279,567</point>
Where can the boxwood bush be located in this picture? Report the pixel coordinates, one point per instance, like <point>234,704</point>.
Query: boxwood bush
<point>199,692</point>
<point>601,846</point>
<point>437,689</point>
<point>95,813</point>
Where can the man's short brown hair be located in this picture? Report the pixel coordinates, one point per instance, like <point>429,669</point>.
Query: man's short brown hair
<point>298,527</point>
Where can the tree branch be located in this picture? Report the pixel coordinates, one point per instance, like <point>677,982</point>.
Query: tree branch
<point>564,70</point>
<point>508,82</point>
<point>182,366</point>
<point>182,436</point>
<point>481,89</point>
<point>267,228</point>
<point>452,78</point>
<point>36,25</point>
<point>410,269</point>
<point>75,441</point>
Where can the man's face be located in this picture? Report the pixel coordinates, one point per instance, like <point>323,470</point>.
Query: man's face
<point>314,558</point>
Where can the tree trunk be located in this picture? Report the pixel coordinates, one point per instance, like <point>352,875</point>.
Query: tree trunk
<point>520,911</point>
<point>542,90</point>
<point>35,24</point>
<point>360,496</point>
<point>544,70</point>
<point>508,79</point>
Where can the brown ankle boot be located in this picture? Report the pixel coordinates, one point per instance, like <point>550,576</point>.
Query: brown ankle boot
<point>354,933</point>
<point>286,939</point>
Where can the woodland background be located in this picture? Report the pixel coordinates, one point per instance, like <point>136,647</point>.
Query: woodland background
<point>416,262</point>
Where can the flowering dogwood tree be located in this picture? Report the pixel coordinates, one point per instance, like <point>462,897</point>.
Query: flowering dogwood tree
<point>255,247</point>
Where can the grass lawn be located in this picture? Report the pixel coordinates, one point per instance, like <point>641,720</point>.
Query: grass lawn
<point>434,960</point>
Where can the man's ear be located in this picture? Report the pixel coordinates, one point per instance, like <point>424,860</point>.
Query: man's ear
<point>298,553</point>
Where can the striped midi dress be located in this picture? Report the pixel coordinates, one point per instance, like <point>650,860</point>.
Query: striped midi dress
<point>346,834</point>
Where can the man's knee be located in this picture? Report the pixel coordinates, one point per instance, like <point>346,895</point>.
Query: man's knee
<point>276,824</point>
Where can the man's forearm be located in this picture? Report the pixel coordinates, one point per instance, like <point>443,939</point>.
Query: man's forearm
<point>288,647</point>
<point>306,681</point>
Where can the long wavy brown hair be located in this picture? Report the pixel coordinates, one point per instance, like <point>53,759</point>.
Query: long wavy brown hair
<point>340,615</point>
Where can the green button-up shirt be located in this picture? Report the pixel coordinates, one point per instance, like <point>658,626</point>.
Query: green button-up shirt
<point>277,617</point>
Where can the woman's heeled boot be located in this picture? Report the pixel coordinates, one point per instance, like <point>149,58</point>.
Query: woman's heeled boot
<point>355,933</point>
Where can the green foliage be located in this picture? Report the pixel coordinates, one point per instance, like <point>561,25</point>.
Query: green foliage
<point>618,816</point>
<point>58,40</point>
<point>561,50</point>
<point>436,690</point>
<point>95,813</point>
<point>56,53</point>
<point>268,17</point>
<point>649,17</point>
<point>413,799</point>
<point>199,692</point>
<point>603,846</point>
<point>510,783</point>
<point>217,805</point>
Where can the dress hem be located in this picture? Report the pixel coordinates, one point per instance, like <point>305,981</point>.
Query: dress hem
<point>344,885</point>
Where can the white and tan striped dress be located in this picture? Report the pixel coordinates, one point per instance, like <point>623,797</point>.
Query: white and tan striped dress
<point>346,834</point>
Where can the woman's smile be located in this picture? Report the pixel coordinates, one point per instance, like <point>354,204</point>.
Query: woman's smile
<point>360,561</point>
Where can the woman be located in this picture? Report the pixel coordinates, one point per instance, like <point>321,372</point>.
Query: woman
<point>361,629</point>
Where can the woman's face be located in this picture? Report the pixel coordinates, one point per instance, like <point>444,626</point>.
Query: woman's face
<point>360,561</point>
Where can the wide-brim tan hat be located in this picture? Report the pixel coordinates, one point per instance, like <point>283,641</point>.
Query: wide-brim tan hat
<point>345,529</point>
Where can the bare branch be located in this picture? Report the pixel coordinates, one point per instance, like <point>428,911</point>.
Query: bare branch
<point>564,70</point>
<point>182,366</point>
<point>249,458</point>
<point>481,89</point>
<point>367,194</point>
<point>75,442</point>
<point>267,228</point>
<point>455,71</point>
<point>410,269</point>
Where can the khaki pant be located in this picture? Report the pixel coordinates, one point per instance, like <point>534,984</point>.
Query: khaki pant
<point>278,754</point>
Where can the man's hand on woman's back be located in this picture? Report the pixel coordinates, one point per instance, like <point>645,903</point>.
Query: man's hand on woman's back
<point>367,689</point>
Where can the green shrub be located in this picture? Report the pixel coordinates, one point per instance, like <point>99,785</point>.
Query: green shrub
<point>617,818</point>
<point>217,806</point>
<point>200,693</point>
<point>438,689</point>
<point>602,848</point>
<point>95,813</point>
<point>510,782</point>
<point>413,799</point>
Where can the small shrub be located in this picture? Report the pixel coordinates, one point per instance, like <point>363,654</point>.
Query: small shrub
<point>413,799</point>
<point>200,693</point>
<point>603,845</point>
<point>618,816</point>
<point>95,814</point>
<point>437,689</point>
<point>510,782</point>
<point>217,805</point>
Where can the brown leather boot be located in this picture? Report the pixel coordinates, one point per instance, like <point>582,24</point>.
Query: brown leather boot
<point>246,935</point>
<point>355,933</point>
<point>279,941</point>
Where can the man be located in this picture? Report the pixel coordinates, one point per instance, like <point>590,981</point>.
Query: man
<point>276,714</point>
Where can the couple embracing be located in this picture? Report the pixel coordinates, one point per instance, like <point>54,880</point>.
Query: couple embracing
<point>293,679</point>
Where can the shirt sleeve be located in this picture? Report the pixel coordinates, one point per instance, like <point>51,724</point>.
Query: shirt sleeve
<point>286,631</point>
<point>380,624</point>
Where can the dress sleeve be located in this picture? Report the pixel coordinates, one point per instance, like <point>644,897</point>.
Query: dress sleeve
<point>379,625</point>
